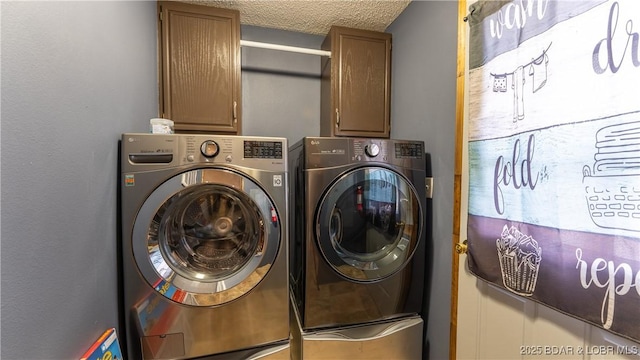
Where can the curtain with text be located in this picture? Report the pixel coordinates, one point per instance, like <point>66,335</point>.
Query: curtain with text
<point>554,155</point>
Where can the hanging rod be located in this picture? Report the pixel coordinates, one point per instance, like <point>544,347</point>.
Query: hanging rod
<point>295,49</point>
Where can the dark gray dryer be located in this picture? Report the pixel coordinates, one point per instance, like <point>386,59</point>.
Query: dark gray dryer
<point>357,252</point>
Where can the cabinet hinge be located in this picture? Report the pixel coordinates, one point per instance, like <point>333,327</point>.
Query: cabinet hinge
<point>160,15</point>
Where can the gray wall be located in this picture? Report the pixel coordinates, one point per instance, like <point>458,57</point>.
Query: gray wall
<point>75,75</point>
<point>423,108</point>
<point>280,89</point>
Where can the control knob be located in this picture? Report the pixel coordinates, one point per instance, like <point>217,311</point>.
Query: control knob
<point>209,148</point>
<point>372,150</point>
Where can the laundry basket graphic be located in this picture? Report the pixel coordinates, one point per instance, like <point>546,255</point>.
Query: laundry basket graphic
<point>519,256</point>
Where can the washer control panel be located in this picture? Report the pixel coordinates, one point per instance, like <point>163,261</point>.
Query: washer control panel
<point>262,149</point>
<point>143,150</point>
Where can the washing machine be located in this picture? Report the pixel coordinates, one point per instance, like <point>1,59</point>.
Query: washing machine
<point>204,246</point>
<point>357,241</point>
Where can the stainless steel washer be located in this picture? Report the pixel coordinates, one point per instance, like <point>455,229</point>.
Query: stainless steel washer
<point>204,221</point>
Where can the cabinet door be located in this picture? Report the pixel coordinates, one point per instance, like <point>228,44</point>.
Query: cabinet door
<point>360,84</point>
<point>200,87</point>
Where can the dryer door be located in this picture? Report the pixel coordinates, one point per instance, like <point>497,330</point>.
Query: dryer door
<point>369,223</point>
<point>206,237</point>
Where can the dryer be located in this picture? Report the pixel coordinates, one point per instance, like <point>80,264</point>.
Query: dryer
<point>357,242</point>
<point>204,221</point>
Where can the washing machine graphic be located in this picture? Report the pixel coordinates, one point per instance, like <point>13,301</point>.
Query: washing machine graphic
<point>204,221</point>
<point>357,243</point>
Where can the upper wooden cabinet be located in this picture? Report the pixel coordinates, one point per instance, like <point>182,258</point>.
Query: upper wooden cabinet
<point>356,84</point>
<point>200,67</point>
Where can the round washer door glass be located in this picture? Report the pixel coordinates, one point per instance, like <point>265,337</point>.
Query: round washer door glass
<point>369,224</point>
<point>206,237</point>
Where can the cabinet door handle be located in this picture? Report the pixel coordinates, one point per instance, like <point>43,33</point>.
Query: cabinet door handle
<point>337,117</point>
<point>235,112</point>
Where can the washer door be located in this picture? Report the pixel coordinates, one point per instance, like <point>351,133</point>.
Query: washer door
<point>206,237</point>
<point>368,224</point>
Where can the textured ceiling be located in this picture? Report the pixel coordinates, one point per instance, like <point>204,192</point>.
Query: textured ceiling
<point>314,16</point>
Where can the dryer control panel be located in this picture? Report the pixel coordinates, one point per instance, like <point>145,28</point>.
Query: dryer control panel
<point>409,150</point>
<point>327,152</point>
